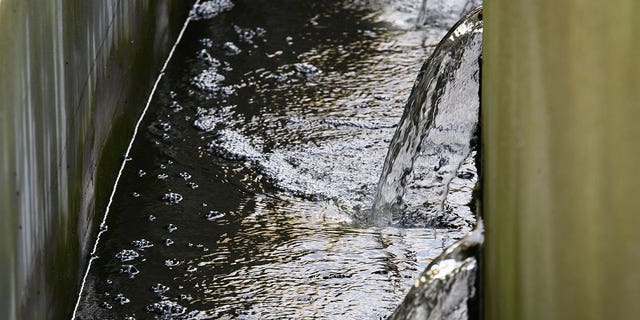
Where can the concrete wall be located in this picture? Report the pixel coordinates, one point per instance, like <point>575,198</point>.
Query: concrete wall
<point>561,141</point>
<point>74,75</point>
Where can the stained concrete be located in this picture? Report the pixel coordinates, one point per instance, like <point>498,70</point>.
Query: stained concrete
<point>74,76</point>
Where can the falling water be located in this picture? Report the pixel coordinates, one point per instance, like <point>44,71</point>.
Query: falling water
<point>444,13</point>
<point>441,116</point>
<point>438,124</point>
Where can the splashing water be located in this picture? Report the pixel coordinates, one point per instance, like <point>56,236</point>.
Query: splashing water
<point>447,288</point>
<point>438,123</point>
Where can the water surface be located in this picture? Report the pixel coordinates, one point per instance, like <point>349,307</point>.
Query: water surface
<point>245,194</point>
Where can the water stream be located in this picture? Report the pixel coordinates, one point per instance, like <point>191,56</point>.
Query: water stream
<point>247,193</point>
<point>437,128</point>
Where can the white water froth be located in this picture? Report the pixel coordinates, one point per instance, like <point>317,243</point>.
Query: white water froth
<point>210,9</point>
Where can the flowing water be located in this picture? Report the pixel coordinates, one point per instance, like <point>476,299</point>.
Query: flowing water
<point>439,125</point>
<point>437,128</point>
<point>247,191</point>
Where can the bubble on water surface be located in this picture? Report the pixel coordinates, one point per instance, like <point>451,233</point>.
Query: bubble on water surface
<point>214,215</point>
<point>127,255</point>
<point>206,122</point>
<point>142,244</point>
<point>205,56</point>
<point>172,198</point>
<point>233,145</point>
<point>159,288</point>
<point>231,49</point>
<point>207,42</point>
<point>130,270</point>
<point>210,9</point>
<point>166,308</point>
<point>307,70</point>
<point>171,263</point>
<point>208,80</point>
<point>121,299</point>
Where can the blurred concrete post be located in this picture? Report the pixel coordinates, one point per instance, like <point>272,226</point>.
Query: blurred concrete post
<point>561,139</point>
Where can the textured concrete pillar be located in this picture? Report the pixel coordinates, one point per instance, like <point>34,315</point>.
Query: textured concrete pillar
<point>561,139</point>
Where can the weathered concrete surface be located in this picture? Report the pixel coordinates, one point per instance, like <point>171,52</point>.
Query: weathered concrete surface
<point>561,103</point>
<point>72,73</point>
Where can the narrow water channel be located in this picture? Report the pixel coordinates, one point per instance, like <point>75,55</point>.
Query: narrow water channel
<point>247,188</point>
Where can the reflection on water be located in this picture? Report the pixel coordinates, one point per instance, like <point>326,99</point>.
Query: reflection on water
<point>245,194</point>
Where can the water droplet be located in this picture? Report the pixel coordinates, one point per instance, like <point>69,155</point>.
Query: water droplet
<point>141,173</point>
<point>135,195</point>
<point>191,269</point>
<point>193,185</point>
<point>106,305</point>
<point>168,242</point>
<point>171,227</point>
<point>163,176</point>
<point>151,217</point>
<point>185,175</point>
